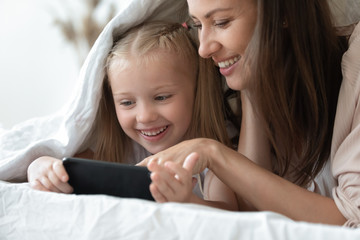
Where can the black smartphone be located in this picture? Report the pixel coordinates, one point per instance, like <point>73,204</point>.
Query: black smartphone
<point>99,177</point>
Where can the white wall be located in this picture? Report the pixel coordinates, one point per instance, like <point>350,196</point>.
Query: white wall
<point>38,68</point>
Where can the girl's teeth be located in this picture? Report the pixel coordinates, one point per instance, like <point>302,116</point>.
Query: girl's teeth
<point>153,133</point>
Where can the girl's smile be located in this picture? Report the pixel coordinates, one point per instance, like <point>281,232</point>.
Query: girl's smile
<point>154,135</point>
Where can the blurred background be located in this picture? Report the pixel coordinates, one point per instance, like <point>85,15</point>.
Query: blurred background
<point>42,47</point>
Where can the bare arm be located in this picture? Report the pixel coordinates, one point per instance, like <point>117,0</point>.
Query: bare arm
<point>267,191</point>
<point>253,142</point>
<point>217,193</point>
<point>256,185</point>
<point>270,192</point>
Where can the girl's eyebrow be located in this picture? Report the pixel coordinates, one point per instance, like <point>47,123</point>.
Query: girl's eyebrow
<point>120,94</point>
<point>210,13</point>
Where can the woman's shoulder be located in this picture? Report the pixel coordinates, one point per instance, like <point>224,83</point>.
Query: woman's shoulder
<point>350,62</point>
<point>345,150</point>
<point>348,111</point>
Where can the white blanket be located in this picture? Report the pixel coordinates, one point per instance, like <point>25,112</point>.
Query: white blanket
<point>63,134</point>
<point>30,214</point>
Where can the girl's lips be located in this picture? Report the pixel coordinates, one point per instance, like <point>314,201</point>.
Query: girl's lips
<point>153,132</point>
<point>154,135</point>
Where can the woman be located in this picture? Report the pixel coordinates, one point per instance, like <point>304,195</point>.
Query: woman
<point>285,59</point>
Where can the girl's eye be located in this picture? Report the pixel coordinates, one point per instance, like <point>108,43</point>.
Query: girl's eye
<point>162,98</point>
<point>126,103</point>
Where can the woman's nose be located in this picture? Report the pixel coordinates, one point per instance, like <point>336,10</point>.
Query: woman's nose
<point>208,44</point>
<point>146,113</point>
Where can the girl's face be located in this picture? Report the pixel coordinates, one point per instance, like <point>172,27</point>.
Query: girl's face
<point>154,99</point>
<point>225,28</point>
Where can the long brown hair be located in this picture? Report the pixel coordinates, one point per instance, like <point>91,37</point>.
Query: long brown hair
<point>296,74</point>
<point>207,117</point>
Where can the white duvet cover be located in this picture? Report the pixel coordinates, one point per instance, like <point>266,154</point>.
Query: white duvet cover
<point>27,214</point>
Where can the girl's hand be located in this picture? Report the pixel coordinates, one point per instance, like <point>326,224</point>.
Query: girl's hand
<point>172,182</point>
<point>48,174</point>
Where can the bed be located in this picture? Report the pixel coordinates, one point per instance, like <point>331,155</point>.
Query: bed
<point>29,214</point>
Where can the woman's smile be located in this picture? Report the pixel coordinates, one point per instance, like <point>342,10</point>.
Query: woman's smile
<point>229,62</point>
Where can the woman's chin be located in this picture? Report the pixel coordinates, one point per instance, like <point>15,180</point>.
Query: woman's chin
<point>235,83</point>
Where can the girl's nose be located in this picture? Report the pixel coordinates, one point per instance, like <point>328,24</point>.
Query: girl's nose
<point>146,113</point>
<point>208,44</point>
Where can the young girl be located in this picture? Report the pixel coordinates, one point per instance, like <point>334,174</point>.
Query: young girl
<point>298,151</point>
<point>157,93</point>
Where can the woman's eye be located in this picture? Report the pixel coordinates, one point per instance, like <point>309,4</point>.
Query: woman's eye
<point>222,23</point>
<point>196,25</point>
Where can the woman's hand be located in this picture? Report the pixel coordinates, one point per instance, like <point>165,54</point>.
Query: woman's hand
<point>202,146</point>
<point>48,174</point>
<point>172,182</point>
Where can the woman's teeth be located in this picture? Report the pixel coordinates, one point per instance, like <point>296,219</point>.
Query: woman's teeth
<point>153,133</point>
<point>228,63</point>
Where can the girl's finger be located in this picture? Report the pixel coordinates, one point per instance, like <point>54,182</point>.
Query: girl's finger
<point>181,174</point>
<point>165,183</point>
<point>62,187</point>
<point>45,181</point>
<point>36,184</point>
<point>60,171</point>
<point>158,197</point>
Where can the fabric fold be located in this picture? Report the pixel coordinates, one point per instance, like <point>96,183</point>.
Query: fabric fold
<point>63,133</point>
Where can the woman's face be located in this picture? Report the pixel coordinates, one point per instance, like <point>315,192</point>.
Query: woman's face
<point>225,28</point>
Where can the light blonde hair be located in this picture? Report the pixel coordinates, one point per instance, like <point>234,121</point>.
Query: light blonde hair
<point>142,41</point>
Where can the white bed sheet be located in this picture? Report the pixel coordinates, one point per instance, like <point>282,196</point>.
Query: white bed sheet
<point>29,214</point>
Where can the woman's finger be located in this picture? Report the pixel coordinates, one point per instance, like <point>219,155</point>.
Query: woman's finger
<point>190,161</point>
<point>153,166</point>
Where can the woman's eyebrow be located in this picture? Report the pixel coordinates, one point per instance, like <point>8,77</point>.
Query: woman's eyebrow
<point>210,13</point>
